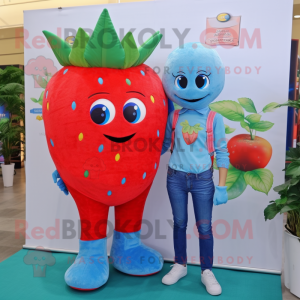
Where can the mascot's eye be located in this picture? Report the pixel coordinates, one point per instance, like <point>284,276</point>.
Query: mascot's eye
<point>181,81</point>
<point>134,111</point>
<point>102,112</point>
<point>202,81</point>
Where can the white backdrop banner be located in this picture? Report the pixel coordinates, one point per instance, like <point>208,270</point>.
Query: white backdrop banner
<point>255,48</point>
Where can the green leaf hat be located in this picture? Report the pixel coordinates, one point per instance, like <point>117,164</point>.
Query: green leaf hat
<point>103,48</point>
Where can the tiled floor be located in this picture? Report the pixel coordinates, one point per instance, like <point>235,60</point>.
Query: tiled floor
<point>12,207</point>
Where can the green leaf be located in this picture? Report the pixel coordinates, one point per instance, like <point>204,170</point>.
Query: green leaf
<point>291,103</point>
<point>131,50</point>
<point>235,182</point>
<point>281,187</point>
<point>228,130</point>
<point>253,118</point>
<point>262,126</point>
<point>77,53</point>
<point>293,154</point>
<point>271,211</point>
<point>248,104</point>
<point>42,82</point>
<point>34,100</point>
<point>185,128</point>
<point>295,181</point>
<point>40,102</point>
<point>292,206</point>
<point>270,107</point>
<point>245,125</point>
<point>281,201</point>
<point>215,164</point>
<point>191,130</point>
<point>184,123</point>
<point>147,48</point>
<point>260,180</point>
<point>292,199</point>
<point>60,48</point>
<point>230,110</point>
<point>293,191</point>
<point>293,169</point>
<point>104,48</point>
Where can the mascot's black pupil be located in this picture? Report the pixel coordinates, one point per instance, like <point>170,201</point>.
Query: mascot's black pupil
<point>182,81</point>
<point>200,81</point>
<point>130,113</point>
<point>98,115</point>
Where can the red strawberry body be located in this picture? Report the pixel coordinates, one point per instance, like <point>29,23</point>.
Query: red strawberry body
<point>189,138</point>
<point>110,172</point>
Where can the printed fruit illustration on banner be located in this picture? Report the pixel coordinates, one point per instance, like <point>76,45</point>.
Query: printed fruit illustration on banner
<point>105,114</point>
<point>249,153</point>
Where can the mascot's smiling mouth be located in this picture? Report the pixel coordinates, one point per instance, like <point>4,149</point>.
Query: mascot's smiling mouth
<point>192,100</point>
<point>119,140</point>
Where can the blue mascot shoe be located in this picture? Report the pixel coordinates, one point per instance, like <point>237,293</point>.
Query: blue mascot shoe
<point>129,255</point>
<point>90,269</point>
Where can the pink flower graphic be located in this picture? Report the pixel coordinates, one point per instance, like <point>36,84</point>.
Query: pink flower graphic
<point>42,69</point>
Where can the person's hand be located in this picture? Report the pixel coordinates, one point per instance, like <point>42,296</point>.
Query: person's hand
<point>57,179</point>
<point>220,196</point>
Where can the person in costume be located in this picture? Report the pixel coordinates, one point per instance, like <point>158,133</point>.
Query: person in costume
<point>194,76</point>
<point>105,114</point>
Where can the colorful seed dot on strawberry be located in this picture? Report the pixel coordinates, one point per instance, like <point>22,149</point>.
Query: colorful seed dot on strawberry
<point>109,193</point>
<point>65,71</point>
<point>123,180</point>
<point>128,81</point>
<point>86,173</point>
<point>155,166</point>
<point>46,94</point>
<point>144,175</point>
<point>117,157</point>
<point>73,105</point>
<point>47,105</point>
<point>157,133</point>
<point>100,149</point>
<point>80,137</point>
<point>51,142</point>
<point>100,80</point>
<point>142,72</point>
<point>164,102</point>
<point>152,99</point>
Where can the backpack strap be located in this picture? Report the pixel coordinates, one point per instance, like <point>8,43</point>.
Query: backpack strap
<point>174,122</point>
<point>210,134</point>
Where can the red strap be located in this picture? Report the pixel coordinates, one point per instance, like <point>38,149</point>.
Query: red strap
<point>210,132</point>
<point>174,122</point>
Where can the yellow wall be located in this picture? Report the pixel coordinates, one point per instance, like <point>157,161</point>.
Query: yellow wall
<point>11,23</point>
<point>296,25</point>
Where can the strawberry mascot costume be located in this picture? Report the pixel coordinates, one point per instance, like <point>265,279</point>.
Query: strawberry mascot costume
<point>105,114</point>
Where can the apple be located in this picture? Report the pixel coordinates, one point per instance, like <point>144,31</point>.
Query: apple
<point>248,154</point>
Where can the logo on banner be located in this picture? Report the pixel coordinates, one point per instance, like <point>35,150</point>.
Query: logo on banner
<point>223,30</point>
<point>223,17</point>
<point>70,39</point>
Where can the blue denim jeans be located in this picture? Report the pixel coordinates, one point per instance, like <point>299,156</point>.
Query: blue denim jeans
<point>202,188</point>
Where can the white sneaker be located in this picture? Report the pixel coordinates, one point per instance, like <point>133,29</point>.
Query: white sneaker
<point>212,285</point>
<point>178,271</point>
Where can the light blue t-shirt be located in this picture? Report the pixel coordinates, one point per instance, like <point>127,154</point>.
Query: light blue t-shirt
<point>190,152</point>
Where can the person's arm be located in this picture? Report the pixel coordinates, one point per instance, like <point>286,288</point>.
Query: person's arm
<point>168,134</point>
<point>221,196</point>
<point>220,144</point>
<point>222,176</point>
